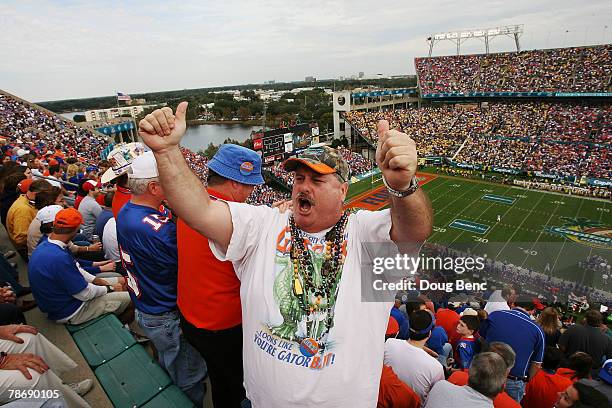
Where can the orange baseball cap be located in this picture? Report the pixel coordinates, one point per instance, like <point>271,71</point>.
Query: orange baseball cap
<point>68,218</point>
<point>24,185</point>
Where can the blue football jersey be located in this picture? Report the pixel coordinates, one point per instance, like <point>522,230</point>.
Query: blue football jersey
<point>147,245</point>
<point>466,350</point>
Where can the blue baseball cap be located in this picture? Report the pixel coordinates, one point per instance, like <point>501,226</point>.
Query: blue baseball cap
<point>237,163</point>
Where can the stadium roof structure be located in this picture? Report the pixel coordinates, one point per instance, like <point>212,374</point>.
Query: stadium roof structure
<point>459,37</point>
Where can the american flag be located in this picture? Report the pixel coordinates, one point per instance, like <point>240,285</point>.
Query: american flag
<point>123,97</point>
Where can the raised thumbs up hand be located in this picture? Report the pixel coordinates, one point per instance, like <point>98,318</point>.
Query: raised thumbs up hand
<point>396,156</point>
<point>162,129</point>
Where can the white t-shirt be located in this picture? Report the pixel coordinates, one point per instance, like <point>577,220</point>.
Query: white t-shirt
<point>413,366</point>
<point>109,240</point>
<point>496,302</point>
<point>278,372</point>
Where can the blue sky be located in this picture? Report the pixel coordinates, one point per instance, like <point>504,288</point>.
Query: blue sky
<point>70,49</point>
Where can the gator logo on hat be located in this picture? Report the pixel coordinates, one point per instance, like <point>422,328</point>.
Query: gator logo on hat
<point>246,168</point>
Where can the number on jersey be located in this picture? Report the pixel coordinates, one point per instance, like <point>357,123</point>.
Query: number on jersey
<point>156,221</point>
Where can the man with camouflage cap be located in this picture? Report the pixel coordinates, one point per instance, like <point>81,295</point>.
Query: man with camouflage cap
<point>309,339</point>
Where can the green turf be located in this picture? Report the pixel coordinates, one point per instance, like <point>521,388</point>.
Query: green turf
<point>521,236</point>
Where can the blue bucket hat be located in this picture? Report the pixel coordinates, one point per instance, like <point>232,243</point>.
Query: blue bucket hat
<point>237,163</point>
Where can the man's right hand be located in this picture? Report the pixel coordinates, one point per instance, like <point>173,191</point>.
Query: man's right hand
<point>161,129</point>
<point>23,361</point>
<point>95,247</point>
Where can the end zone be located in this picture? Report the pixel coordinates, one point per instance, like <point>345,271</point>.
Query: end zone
<point>378,197</point>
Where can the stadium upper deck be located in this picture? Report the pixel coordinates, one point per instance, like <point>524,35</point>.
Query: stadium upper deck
<point>552,72</point>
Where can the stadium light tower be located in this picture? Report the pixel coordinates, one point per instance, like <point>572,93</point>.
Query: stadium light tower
<point>459,37</point>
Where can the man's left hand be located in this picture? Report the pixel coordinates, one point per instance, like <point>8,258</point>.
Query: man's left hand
<point>396,156</point>
<point>9,331</point>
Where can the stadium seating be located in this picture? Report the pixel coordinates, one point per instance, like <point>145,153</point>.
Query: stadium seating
<point>565,138</point>
<point>104,340</point>
<point>110,349</point>
<point>132,378</point>
<point>578,69</point>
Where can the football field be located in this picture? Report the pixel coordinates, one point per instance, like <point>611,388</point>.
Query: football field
<point>550,233</point>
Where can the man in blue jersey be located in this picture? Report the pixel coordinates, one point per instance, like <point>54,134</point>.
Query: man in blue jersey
<point>147,245</point>
<point>515,328</point>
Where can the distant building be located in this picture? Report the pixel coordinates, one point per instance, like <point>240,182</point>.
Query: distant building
<point>138,101</point>
<point>106,114</point>
<point>270,82</point>
<point>310,79</point>
<point>361,74</point>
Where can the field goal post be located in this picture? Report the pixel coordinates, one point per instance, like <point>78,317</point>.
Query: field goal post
<point>375,178</point>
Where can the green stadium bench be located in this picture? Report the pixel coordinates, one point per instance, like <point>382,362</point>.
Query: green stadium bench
<point>73,328</point>
<point>170,397</point>
<point>103,340</point>
<point>132,378</point>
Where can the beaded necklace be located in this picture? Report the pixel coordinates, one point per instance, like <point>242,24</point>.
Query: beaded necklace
<point>331,270</point>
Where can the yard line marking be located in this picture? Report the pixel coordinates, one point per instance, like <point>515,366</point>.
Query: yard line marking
<point>565,240</point>
<point>438,186</point>
<point>520,225</point>
<point>443,208</point>
<point>540,234</point>
<point>506,212</point>
<point>481,214</point>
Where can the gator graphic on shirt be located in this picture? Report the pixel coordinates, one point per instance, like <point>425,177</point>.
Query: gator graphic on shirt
<point>309,330</point>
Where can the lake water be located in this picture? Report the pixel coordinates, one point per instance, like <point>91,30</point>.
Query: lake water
<point>199,137</point>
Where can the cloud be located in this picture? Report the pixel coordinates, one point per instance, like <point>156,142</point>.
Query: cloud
<point>67,49</point>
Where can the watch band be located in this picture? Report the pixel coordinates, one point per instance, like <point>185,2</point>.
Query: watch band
<point>414,185</point>
<point>110,289</point>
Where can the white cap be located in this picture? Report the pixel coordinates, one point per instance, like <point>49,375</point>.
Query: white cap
<point>144,167</point>
<point>469,312</point>
<point>47,214</point>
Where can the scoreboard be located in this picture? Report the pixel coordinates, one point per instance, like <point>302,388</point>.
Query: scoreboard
<point>276,144</point>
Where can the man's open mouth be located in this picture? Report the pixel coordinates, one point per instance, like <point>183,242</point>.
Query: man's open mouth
<point>305,204</point>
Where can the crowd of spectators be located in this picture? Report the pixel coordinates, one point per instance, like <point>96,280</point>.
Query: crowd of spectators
<point>501,348</point>
<point>38,140</point>
<point>599,192</point>
<point>357,163</point>
<point>577,69</point>
<point>266,195</point>
<point>198,163</point>
<point>564,139</point>
<point>37,132</point>
<point>280,173</point>
<point>436,131</point>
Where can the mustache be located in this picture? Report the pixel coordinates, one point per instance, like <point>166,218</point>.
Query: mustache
<point>305,197</point>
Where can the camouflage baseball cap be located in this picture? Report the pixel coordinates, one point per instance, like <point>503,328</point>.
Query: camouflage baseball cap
<point>321,159</point>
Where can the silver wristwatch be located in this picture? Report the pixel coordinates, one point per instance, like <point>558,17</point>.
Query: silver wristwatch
<point>414,185</point>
